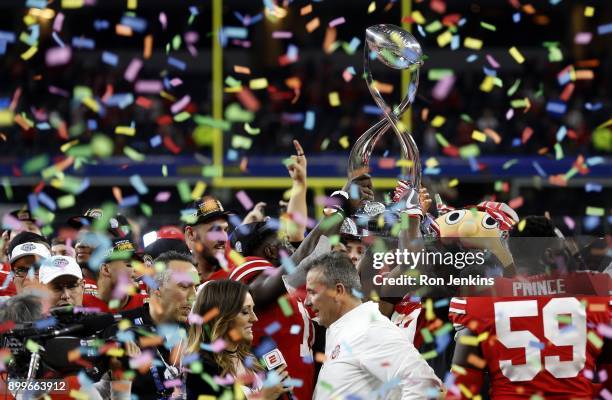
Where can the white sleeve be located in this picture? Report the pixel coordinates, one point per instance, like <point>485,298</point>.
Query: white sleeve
<point>393,359</point>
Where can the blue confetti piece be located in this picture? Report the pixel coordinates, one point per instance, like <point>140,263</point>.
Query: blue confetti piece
<point>591,161</point>
<point>2,47</point>
<point>232,155</point>
<point>537,345</point>
<point>593,107</point>
<point>193,10</point>
<point>293,382</point>
<point>421,31</point>
<point>235,32</point>
<point>471,58</point>
<point>138,184</point>
<point>43,126</point>
<point>604,29</point>
<point>455,42</point>
<point>129,201</point>
<point>473,164</point>
<point>272,328</point>
<point>593,187</point>
<point>432,171</point>
<point>7,36</point>
<point>539,169</point>
<point>32,202</point>
<point>442,342</point>
<point>235,220</point>
<point>239,17</point>
<point>101,24</point>
<point>516,142</point>
<point>489,72</point>
<point>288,264</point>
<point>561,133</point>
<point>58,39</point>
<point>176,63</point>
<point>266,345</point>
<point>155,141</point>
<point>292,117</point>
<point>47,201</point>
<point>590,222</point>
<point>150,282</point>
<point>462,22</point>
<point>45,323</point>
<point>125,336</point>
<point>136,23</point>
<point>255,19</point>
<point>354,44</point>
<point>292,52</point>
<point>40,4</point>
<point>441,303</point>
<point>84,186</point>
<point>555,2</point>
<point>564,79</point>
<point>84,380</point>
<point>516,17</point>
<point>309,121</point>
<point>92,124</point>
<point>110,58</point>
<point>83,43</point>
<point>7,281</point>
<point>556,107</point>
<point>372,109</point>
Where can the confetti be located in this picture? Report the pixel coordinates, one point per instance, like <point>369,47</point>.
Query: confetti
<point>516,54</point>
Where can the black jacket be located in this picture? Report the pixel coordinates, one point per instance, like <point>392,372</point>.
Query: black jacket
<point>196,385</point>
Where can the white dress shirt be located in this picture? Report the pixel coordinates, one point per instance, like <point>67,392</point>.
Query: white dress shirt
<point>367,356</point>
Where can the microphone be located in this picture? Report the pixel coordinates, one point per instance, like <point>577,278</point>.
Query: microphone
<point>274,359</point>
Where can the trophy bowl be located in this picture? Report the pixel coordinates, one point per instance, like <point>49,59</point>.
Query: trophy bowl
<point>394,47</point>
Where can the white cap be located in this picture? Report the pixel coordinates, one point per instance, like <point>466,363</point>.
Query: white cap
<point>29,249</point>
<point>58,266</point>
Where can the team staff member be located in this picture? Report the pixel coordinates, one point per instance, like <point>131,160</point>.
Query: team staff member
<point>366,355</point>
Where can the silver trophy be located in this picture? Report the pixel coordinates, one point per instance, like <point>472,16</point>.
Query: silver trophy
<point>398,49</point>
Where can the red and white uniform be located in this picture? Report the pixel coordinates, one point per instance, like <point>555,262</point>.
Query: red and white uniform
<point>408,315</point>
<point>135,301</point>
<point>294,333</point>
<point>538,336</point>
<point>9,290</point>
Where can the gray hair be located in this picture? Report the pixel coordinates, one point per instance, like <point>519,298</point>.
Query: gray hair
<point>25,307</point>
<point>337,268</point>
<point>161,278</point>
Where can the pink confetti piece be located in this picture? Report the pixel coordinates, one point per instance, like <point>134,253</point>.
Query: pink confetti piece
<point>583,38</point>
<point>604,330</point>
<point>192,37</point>
<point>162,197</point>
<point>603,375</point>
<point>58,22</point>
<point>218,345</point>
<point>569,222</point>
<point>133,69</point>
<point>509,114</point>
<point>443,87</point>
<point>195,319</point>
<point>492,61</point>
<point>181,104</point>
<point>218,236</point>
<point>11,222</point>
<point>335,22</point>
<point>144,358</point>
<point>173,383</point>
<point>244,199</point>
<point>58,91</point>
<point>282,35</point>
<point>588,374</point>
<point>605,394</point>
<point>58,56</point>
<point>174,82</point>
<point>148,86</point>
<point>163,20</point>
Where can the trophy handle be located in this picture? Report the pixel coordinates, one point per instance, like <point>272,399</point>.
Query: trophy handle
<point>359,158</point>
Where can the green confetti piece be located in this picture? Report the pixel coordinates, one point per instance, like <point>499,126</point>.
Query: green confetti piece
<point>514,87</point>
<point>8,189</point>
<point>595,211</point>
<point>326,385</point>
<point>540,91</point>
<point>426,335</point>
<point>324,144</point>
<point>232,82</point>
<point>536,397</point>
<point>176,42</point>
<point>82,151</point>
<point>235,113</point>
<point>510,163</point>
<point>564,319</point>
<point>44,215</point>
<point>555,54</point>
<point>108,211</point>
<point>334,240</point>
<point>47,230</point>
<point>66,201</point>
<point>441,140</point>
<point>68,184</point>
<point>133,154</point>
<point>250,130</point>
<point>558,151</point>
<point>571,173</point>
<point>285,306</point>
<point>518,103</point>
<point>211,171</point>
<point>35,164</point>
<point>196,367</point>
<point>114,303</point>
<point>435,74</point>
<point>488,26</point>
<point>470,150</point>
<point>146,209</point>
<point>184,191</point>
<point>444,330</point>
<point>498,186</point>
<point>32,346</point>
<point>211,122</point>
<point>433,27</point>
<point>594,339</point>
<point>331,220</point>
<point>466,118</point>
<point>429,355</point>
<point>164,170</point>
<point>81,92</point>
<point>182,116</point>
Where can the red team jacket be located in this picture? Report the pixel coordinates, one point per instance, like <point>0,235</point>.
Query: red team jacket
<point>291,329</point>
<point>541,334</point>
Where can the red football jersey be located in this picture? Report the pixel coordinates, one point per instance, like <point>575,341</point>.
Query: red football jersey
<point>7,288</point>
<point>409,316</point>
<point>538,335</point>
<point>293,333</point>
<point>137,300</point>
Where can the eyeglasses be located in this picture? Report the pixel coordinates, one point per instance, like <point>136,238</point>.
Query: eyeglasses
<point>62,287</point>
<point>22,272</point>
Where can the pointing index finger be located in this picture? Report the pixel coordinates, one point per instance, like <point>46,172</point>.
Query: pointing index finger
<point>298,147</point>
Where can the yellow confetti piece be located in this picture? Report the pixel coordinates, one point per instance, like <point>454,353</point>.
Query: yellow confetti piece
<point>91,103</point>
<point>430,315</point>
<point>372,7</point>
<point>454,182</point>
<point>472,43</point>
<point>487,84</point>
<point>403,163</point>
<point>521,225</point>
<point>66,146</point>
<point>479,136</point>
<point>313,24</point>
<point>444,38</point>
<point>66,201</point>
<point>594,339</point>
<point>589,11</point>
<point>26,55</point>
<point>516,54</point>
<point>6,118</point>
<point>241,142</point>
<point>72,3</point>
<point>334,99</point>
<point>125,130</point>
<point>418,17</point>
<point>344,142</point>
<point>78,395</point>
<point>250,130</point>
<point>132,4</point>
<point>257,84</point>
<point>431,162</point>
<point>438,121</point>
<point>468,340</point>
<point>595,211</point>
<point>198,190</point>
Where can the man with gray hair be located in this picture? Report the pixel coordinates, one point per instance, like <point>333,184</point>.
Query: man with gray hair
<point>366,355</point>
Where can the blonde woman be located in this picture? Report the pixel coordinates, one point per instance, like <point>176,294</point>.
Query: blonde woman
<point>228,309</point>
